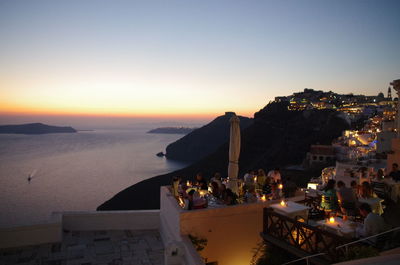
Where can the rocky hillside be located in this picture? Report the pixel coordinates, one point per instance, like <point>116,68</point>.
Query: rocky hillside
<point>278,137</point>
<point>205,140</point>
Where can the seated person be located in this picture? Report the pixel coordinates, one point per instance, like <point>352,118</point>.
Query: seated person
<point>217,179</point>
<point>267,186</point>
<point>194,201</point>
<point>231,198</point>
<point>275,192</point>
<point>261,178</point>
<point>222,192</point>
<point>366,191</point>
<point>249,177</point>
<point>275,175</point>
<point>347,199</point>
<point>378,185</point>
<point>201,182</point>
<point>395,173</point>
<point>373,223</point>
<point>355,187</point>
<point>189,200</point>
<point>182,189</point>
<point>215,191</point>
<point>250,196</point>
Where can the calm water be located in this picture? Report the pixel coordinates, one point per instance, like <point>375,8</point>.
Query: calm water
<point>74,171</point>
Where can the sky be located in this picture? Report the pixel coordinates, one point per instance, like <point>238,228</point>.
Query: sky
<point>192,59</point>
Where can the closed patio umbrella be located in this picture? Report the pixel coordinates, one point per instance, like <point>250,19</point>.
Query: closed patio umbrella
<point>234,151</point>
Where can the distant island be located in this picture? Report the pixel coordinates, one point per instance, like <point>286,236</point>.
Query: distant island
<point>34,128</point>
<point>172,130</point>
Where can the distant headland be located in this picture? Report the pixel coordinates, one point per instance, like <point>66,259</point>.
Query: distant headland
<point>172,130</point>
<point>34,128</point>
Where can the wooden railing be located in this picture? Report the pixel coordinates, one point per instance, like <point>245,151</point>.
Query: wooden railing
<point>301,237</point>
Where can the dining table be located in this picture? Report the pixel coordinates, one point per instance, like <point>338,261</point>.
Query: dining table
<point>291,209</point>
<point>337,225</point>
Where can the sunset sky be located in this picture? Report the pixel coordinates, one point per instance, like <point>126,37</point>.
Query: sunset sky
<point>185,58</point>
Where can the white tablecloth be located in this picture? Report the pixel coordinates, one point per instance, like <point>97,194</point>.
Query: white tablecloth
<point>292,209</point>
<point>375,203</point>
<point>340,227</point>
<point>394,188</point>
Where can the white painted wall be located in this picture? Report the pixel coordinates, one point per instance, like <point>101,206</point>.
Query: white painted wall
<point>30,235</point>
<point>232,232</point>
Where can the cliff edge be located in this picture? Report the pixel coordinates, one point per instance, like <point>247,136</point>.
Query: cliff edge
<point>205,140</point>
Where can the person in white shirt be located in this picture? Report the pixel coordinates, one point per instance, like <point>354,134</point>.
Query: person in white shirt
<point>373,223</point>
<point>249,177</point>
<point>275,175</point>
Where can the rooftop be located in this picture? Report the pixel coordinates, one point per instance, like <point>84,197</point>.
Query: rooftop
<point>92,247</point>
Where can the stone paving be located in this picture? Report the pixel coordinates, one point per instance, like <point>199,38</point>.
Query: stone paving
<point>126,247</point>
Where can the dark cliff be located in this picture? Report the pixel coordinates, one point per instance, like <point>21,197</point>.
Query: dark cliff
<point>205,140</point>
<point>277,137</point>
<point>35,128</point>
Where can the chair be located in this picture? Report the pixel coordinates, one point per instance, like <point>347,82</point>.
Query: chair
<point>379,188</point>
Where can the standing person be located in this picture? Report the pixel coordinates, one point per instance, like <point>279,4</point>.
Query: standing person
<point>201,182</point>
<point>395,173</point>
<point>289,189</point>
<point>347,200</point>
<point>275,174</point>
<point>329,200</point>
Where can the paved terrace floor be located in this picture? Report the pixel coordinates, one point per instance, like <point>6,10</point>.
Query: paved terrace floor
<point>92,248</point>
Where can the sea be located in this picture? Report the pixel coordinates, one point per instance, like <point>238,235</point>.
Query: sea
<point>75,171</point>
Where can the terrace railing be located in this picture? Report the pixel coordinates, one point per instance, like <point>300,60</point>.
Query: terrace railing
<point>301,238</point>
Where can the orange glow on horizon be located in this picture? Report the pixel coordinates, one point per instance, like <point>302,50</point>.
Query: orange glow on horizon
<point>21,110</point>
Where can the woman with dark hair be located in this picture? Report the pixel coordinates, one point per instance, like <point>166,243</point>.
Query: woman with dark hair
<point>329,202</point>
<point>230,197</point>
<point>215,189</point>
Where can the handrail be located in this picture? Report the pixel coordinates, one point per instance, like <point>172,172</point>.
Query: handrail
<point>306,258</point>
<point>366,238</point>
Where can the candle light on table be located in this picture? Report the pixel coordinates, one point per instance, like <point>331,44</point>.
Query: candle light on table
<point>283,203</point>
<point>202,192</point>
<point>263,198</point>
<point>280,186</point>
<point>188,183</point>
<point>332,220</point>
<point>255,179</point>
